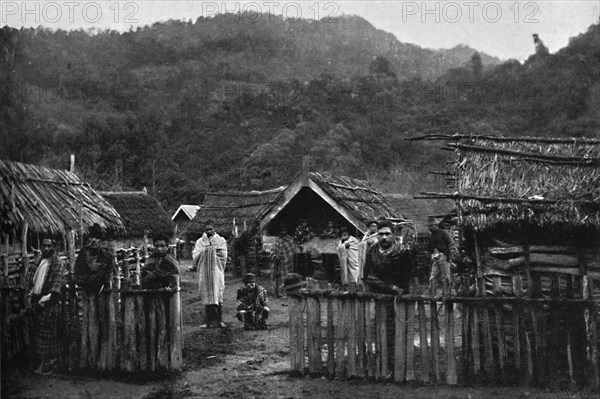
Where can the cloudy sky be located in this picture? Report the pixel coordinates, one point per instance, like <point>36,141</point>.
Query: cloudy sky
<point>502,28</point>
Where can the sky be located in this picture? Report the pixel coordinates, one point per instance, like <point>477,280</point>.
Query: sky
<point>501,28</point>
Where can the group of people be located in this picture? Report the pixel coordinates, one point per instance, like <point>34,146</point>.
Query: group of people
<point>379,261</point>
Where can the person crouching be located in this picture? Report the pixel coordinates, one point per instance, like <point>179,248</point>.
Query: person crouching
<point>252,303</point>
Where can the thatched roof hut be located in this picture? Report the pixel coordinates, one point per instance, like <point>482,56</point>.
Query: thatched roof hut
<point>141,213</point>
<point>245,207</point>
<point>319,198</point>
<point>50,201</point>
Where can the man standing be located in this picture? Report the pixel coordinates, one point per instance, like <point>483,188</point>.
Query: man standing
<point>388,266</point>
<point>443,249</point>
<point>368,240</point>
<point>94,264</point>
<point>388,269</point>
<point>283,259</point>
<point>348,253</point>
<point>252,304</point>
<point>45,279</point>
<point>210,256</point>
<point>160,269</point>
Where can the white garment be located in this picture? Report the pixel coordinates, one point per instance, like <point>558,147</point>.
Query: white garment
<point>349,260</point>
<point>210,257</point>
<point>40,276</point>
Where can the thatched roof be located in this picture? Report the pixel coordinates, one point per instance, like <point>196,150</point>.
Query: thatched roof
<point>140,213</point>
<point>527,181</point>
<point>223,207</point>
<point>51,200</point>
<point>418,210</point>
<point>356,200</point>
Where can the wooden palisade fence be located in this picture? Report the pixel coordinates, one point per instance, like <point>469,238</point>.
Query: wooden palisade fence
<point>453,340</point>
<point>123,329</point>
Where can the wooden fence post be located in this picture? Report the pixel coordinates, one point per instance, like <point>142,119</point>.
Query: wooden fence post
<point>313,317</point>
<point>330,339</point>
<point>175,330</point>
<point>424,376</point>
<point>451,377</point>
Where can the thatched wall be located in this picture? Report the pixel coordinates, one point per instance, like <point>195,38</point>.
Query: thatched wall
<point>50,200</point>
<point>140,213</point>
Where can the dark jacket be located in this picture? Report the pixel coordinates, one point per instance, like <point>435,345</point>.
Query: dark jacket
<point>91,281</point>
<point>388,268</point>
<point>159,272</point>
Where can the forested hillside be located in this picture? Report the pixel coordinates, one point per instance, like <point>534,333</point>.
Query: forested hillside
<point>182,108</point>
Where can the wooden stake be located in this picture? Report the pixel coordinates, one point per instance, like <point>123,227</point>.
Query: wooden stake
<point>351,328</point>
<point>129,346</point>
<point>340,335</point>
<point>451,377</point>
<point>330,339</point>
<point>360,337</point>
<point>162,346</point>
<point>410,341</point>
<point>313,310</point>
<point>142,333</point>
<point>175,330</point>
<point>423,342</point>
<point>475,339</point>
<point>400,340</point>
<point>435,341</point>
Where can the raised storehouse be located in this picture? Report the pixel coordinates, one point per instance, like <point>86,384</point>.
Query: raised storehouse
<point>142,215</point>
<point>231,210</point>
<point>530,208</point>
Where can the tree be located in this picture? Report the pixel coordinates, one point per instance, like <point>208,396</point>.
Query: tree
<point>476,66</point>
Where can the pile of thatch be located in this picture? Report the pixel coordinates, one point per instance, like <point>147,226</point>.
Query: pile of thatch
<point>358,197</point>
<point>532,181</point>
<point>50,200</point>
<point>140,213</point>
<point>223,208</point>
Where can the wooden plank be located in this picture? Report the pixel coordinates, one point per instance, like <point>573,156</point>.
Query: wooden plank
<point>369,338</point>
<point>351,328</point>
<point>102,331</point>
<point>142,333</point>
<point>500,336</point>
<point>175,330</point>
<point>466,356</point>
<point>162,343</point>
<point>381,334</point>
<point>360,338</point>
<point>592,321</point>
<point>475,339</point>
<point>451,376</point>
<point>424,375</point>
<point>85,344</point>
<point>129,346</point>
<point>313,317</point>
<point>330,339</point>
<point>94,331</point>
<point>488,353</point>
<point>293,335</point>
<point>516,336</point>
<point>410,341</point>
<point>529,358</point>
<point>150,302</point>
<point>340,335</point>
<point>399,340</point>
<point>435,341</point>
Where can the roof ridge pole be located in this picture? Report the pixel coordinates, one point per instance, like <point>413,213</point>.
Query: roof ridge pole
<point>305,169</point>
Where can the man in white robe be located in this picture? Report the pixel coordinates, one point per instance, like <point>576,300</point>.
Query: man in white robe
<point>348,253</point>
<point>210,258</point>
<point>368,240</point>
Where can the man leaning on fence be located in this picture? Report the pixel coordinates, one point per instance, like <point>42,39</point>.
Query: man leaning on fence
<point>160,269</point>
<point>94,264</point>
<point>45,279</point>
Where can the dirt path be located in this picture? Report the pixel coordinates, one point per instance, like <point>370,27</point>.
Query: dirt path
<point>233,363</point>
